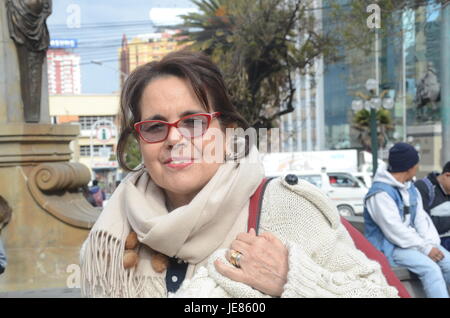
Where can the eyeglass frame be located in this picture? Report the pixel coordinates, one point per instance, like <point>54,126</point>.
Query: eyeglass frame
<point>209,116</point>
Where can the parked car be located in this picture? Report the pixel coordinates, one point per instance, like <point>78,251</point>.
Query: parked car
<point>341,187</point>
<point>365,178</point>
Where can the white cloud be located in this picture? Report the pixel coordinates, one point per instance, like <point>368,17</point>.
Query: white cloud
<point>168,16</point>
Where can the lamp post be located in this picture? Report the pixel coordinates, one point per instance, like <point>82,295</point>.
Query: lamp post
<point>372,103</point>
<point>445,82</point>
<point>100,63</point>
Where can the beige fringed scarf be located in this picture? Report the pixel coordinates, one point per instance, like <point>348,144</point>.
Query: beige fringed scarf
<point>191,232</point>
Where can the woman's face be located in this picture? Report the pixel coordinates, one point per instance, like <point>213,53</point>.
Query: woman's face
<point>170,162</point>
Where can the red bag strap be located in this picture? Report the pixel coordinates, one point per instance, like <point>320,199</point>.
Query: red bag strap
<point>360,241</point>
<point>372,253</point>
<point>255,205</point>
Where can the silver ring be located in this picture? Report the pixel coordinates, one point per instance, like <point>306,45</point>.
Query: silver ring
<point>238,260</point>
<point>235,257</point>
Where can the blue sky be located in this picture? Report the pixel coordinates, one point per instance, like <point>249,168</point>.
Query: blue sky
<point>101,25</point>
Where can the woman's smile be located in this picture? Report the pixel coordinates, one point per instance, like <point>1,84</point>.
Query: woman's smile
<point>178,165</point>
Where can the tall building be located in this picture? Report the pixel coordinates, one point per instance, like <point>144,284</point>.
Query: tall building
<point>64,75</point>
<point>124,60</point>
<point>96,145</point>
<point>408,63</point>
<point>148,47</point>
<point>304,128</point>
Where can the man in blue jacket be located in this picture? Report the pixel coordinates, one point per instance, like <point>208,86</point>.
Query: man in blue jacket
<point>397,225</point>
<point>435,192</point>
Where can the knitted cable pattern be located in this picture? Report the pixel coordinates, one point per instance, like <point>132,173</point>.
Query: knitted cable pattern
<point>323,261</point>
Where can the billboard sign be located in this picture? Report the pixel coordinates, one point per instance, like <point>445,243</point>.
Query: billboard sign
<point>104,134</point>
<point>312,161</point>
<point>63,43</point>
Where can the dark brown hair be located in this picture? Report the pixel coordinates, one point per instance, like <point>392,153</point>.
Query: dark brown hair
<point>201,73</point>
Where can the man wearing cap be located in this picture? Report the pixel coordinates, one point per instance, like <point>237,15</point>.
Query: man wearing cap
<point>435,192</point>
<point>397,224</point>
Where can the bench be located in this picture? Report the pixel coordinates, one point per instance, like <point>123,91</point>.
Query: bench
<point>409,280</point>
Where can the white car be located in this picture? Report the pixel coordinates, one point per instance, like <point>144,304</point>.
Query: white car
<point>365,178</point>
<point>346,191</point>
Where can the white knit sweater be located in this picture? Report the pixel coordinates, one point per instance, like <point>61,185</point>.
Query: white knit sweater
<point>323,260</point>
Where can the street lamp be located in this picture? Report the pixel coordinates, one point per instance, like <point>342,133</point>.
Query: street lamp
<point>373,103</point>
<point>100,63</point>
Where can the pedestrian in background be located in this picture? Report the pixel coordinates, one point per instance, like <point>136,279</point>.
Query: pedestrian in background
<point>435,192</point>
<point>5,217</point>
<point>97,193</point>
<point>88,195</point>
<point>396,223</point>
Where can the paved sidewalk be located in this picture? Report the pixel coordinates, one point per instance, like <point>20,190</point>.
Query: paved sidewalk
<point>44,293</point>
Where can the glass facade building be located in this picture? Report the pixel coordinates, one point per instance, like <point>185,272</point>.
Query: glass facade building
<point>409,62</point>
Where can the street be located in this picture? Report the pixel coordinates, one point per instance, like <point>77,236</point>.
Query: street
<point>44,293</point>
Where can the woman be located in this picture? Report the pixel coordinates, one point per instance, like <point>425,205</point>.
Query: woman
<point>189,213</point>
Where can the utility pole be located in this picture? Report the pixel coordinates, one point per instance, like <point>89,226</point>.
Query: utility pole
<point>373,111</point>
<point>445,81</point>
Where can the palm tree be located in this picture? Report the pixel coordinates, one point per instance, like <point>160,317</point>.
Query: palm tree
<point>361,122</point>
<point>211,29</point>
<point>255,45</point>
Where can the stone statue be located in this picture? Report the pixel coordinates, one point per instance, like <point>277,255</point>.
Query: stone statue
<point>28,29</point>
<point>52,218</point>
<point>428,94</point>
<point>428,89</point>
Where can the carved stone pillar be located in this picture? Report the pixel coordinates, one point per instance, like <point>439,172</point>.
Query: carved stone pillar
<point>51,218</point>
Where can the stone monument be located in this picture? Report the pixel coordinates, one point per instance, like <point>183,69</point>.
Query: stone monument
<point>50,218</point>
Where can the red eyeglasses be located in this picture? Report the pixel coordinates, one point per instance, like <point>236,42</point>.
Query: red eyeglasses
<point>191,126</point>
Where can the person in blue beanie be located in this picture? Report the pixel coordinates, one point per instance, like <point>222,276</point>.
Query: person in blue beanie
<point>397,225</point>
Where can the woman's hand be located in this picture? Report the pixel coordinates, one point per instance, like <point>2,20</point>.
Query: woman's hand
<point>263,263</point>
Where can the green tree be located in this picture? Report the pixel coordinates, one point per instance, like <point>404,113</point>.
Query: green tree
<point>133,154</point>
<point>256,45</point>
<point>361,122</point>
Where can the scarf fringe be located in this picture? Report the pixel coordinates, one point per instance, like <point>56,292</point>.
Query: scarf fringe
<point>103,274</point>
